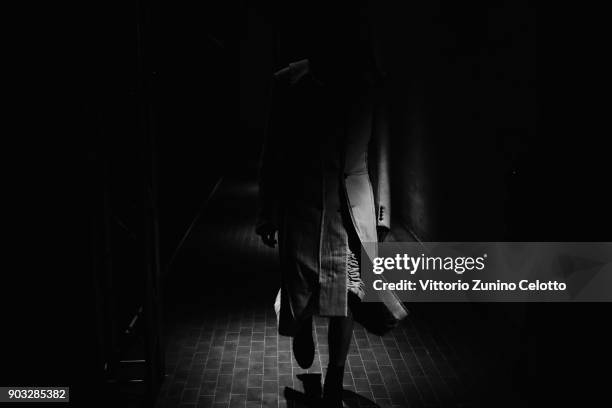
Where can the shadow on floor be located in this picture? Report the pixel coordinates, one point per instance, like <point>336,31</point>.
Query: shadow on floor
<point>223,348</point>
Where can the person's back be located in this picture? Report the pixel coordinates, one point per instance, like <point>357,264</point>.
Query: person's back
<point>316,191</point>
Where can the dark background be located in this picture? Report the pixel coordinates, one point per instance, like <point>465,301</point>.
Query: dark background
<point>498,128</point>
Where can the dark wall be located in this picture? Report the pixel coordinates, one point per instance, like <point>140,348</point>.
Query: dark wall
<point>192,70</point>
<point>464,114</point>
<point>211,67</point>
<point>462,86</point>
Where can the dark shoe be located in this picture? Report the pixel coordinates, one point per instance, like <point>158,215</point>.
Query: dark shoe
<point>303,345</point>
<point>332,389</point>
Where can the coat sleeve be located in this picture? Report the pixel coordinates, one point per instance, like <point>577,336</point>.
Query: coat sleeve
<point>382,182</point>
<point>269,177</point>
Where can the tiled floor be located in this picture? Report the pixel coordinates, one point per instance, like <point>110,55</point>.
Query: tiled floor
<point>237,359</point>
<point>223,349</point>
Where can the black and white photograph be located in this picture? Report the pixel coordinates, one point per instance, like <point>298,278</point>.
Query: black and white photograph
<point>281,204</point>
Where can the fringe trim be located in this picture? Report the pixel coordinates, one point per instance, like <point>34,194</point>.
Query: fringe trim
<point>353,275</point>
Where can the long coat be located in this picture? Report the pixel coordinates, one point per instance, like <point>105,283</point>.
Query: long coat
<point>324,175</point>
